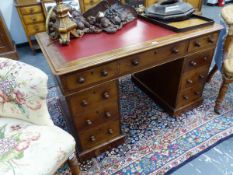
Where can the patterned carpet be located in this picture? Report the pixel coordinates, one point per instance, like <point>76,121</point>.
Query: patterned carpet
<point>156,143</point>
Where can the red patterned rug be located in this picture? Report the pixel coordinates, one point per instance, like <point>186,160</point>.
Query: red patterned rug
<point>156,143</point>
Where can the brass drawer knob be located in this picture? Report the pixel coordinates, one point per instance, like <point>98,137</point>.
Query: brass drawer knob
<point>84,103</point>
<point>193,63</point>
<point>205,58</point>
<point>197,93</point>
<point>186,97</point>
<point>33,19</point>
<point>201,76</point>
<point>81,80</point>
<point>110,131</point>
<point>104,73</point>
<point>211,39</point>
<point>92,138</point>
<point>89,122</point>
<point>106,95</point>
<point>91,2</point>
<point>36,28</point>
<point>197,44</point>
<point>31,10</point>
<point>135,62</point>
<point>175,51</point>
<point>189,81</point>
<point>108,114</point>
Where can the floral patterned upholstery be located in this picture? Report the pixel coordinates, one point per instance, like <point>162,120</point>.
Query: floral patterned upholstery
<point>27,149</point>
<point>23,92</point>
<point>30,144</point>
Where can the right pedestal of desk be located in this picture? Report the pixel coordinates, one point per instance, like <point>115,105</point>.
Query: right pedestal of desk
<point>177,86</point>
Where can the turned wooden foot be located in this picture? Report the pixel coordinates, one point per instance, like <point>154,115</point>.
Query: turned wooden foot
<point>212,72</point>
<point>221,95</point>
<point>73,164</point>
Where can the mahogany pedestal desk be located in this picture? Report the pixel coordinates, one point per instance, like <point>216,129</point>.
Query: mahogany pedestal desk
<point>170,67</point>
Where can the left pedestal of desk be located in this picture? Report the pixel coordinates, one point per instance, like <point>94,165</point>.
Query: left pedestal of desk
<point>95,116</point>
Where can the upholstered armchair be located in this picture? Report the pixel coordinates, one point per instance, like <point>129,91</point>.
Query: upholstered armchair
<point>227,67</point>
<point>30,144</point>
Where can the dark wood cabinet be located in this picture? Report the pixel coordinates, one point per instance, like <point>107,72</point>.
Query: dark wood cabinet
<point>7,47</point>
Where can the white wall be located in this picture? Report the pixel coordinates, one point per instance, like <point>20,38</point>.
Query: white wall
<point>12,21</point>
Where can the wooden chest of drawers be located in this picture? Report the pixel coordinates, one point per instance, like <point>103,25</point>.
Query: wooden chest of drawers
<point>32,18</point>
<point>7,47</point>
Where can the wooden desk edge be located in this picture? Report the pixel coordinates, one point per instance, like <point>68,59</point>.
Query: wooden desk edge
<point>120,53</point>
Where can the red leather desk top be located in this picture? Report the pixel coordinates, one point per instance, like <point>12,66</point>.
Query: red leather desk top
<point>138,31</point>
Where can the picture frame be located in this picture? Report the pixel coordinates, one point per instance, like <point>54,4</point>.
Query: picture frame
<point>48,4</point>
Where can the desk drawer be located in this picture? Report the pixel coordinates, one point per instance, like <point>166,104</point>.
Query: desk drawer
<point>197,60</point>
<point>152,57</point>
<point>31,9</point>
<point>187,96</point>
<point>100,134</point>
<point>101,113</point>
<point>85,100</point>
<point>206,41</point>
<point>35,18</point>
<point>35,28</point>
<point>80,80</point>
<point>194,78</point>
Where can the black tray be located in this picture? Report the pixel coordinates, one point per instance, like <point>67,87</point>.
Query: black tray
<point>165,24</point>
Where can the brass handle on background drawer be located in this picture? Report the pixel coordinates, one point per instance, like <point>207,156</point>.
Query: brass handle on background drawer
<point>84,103</point>
<point>175,51</point>
<point>186,97</point>
<point>197,93</point>
<point>81,80</point>
<point>33,19</point>
<point>193,63</point>
<point>135,62</point>
<point>189,81</point>
<point>89,122</point>
<point>108,114</point>
<point>197,44</point>
<point>104,73</point>
<point>92,138</point>
<point>201,76</point>
<point>205,58</point>
<point>91,2</point>
<point>210,39</point>
<point>106,95</point>
<point>110,131</point>
<point>37,28</point>
<point>31,10</point>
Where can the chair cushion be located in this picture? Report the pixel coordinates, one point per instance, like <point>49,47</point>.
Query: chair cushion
<point>23,92</point>
<point>27,149</point>
<point>228,62</point>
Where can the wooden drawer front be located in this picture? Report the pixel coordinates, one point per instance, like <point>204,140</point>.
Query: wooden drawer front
<point>31,9</point>
<point>98,135</point>
<point>85,100</point>
<point>197,60</point>
<point>150,2</point>
<point>31,19</point>
<point>194,78</point>
<point>35,28</point>
<point>206,41</point>
<point>187,96</point>
<point>96,116</point>
<point>91,2</point>
<point>149,58</point>
<point>80,80</point>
